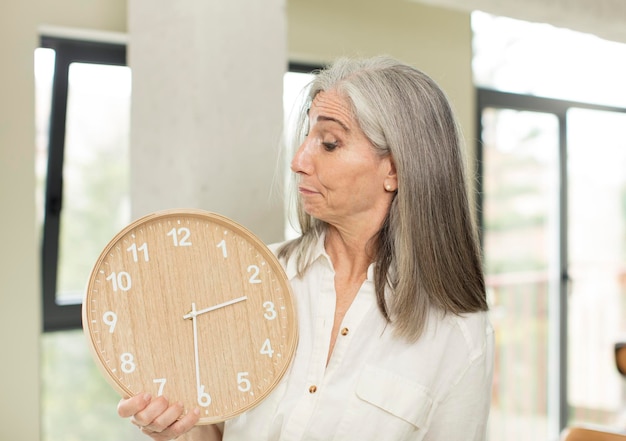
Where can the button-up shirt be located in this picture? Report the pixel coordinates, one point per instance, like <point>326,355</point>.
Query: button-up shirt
<point>376,386</point>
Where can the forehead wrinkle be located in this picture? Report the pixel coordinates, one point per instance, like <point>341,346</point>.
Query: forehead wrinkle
<point>333,108</point>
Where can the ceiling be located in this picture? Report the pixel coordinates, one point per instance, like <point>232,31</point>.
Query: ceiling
<point>604,18</point>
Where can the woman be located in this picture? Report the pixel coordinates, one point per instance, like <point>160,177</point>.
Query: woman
<point>395,343</point>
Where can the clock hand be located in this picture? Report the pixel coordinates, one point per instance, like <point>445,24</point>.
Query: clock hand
<point>195,347</point>
<point>193,313</point>
<point>204,399</point>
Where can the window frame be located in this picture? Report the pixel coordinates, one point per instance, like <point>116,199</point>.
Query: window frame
<point>495,99</point>
<point>57,316</point>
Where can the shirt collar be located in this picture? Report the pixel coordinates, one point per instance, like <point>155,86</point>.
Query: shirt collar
<point>317,251</point>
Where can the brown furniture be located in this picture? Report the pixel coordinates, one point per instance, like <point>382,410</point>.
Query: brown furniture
<point>591,434</point>
<point>620,357</point>
<point>579,433</point>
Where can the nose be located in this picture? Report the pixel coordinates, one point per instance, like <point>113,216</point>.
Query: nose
<point>301,162</point>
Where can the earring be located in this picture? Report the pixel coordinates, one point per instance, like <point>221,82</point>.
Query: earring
<point>388,187</point>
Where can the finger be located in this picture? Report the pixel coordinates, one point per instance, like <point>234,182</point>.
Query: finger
<point>128,407</point>
<point>155,407</point>
<point>179,427</point>
<point>164,420</point>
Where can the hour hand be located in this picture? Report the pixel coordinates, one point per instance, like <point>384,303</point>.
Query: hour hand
<point>193,313</point>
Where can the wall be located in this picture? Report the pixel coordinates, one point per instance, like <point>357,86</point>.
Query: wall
<point>435,40</point>
<point>207,108</point>
<point>19,306</point>
<point>20,318</point>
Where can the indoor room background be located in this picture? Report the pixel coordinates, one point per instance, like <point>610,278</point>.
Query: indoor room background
<point>193,115</point>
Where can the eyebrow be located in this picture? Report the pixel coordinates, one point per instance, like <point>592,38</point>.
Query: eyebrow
<point>329,118</point>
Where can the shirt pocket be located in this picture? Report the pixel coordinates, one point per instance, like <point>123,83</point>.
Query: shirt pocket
<point>396,395</point>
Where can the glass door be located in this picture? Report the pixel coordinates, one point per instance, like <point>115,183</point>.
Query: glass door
<point>553,212</point>
<point>596,167</point>
<point>520,239</point>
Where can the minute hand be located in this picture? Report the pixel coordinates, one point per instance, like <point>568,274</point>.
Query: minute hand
<point>194,313</point>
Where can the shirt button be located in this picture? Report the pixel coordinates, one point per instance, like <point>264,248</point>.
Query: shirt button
<point>313,389</point>
<point>344,331</point>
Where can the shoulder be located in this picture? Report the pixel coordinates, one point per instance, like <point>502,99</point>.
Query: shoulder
<point>474,331</point>
<point>288,262</point>
<point>274,247</point>
<point>467,338</point>
<point>297,255</point>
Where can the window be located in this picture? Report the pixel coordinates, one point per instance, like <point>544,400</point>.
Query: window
<point>82,114</point>
<point>553,192</point>
<point>553,195</point>
<point>86,186</point>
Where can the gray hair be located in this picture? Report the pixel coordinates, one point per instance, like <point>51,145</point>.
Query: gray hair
<point>427,253</point>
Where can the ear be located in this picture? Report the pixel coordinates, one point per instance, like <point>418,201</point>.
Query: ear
<point>391,179</point>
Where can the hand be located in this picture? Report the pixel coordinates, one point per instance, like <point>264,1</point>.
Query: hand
<point>156,417</point>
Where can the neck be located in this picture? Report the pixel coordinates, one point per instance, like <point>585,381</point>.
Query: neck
<point>350,252</point>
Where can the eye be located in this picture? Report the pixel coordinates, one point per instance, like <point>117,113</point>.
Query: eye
<point>329,146</point>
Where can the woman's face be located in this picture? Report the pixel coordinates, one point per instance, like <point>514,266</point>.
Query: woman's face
<point>342,181</point>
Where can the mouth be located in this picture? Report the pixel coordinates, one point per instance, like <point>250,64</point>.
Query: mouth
<point>306,190</point>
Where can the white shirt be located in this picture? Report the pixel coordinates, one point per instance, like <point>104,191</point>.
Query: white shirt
<point>376,385</point>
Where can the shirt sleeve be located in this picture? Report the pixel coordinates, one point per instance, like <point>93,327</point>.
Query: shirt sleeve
<point>463,413</point>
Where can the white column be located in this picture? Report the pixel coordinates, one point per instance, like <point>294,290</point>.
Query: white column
<point>20,301</point>
<point>207,108</point>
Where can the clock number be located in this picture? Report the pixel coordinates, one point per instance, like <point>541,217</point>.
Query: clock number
<point>128,363</point>
<point>135,250</point>
<point>120,280</point>
<point>243,384</point>
<point>270,312</point>
<point>254,278</point>
<point>161,382</point>
<point>267,348</point>
<point>222,245</point>
<point>204,399</point>
<point>110,319</point>
<point>180,236</point>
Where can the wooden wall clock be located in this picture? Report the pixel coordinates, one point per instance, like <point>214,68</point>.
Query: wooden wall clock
<point>191,305</point>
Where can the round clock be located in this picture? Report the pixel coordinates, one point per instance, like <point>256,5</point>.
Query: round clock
<point>191,305</point>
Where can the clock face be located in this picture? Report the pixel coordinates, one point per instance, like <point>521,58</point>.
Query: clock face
<point>190,305</point>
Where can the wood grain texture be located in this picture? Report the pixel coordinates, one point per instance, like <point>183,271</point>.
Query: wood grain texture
<point>135,307</point>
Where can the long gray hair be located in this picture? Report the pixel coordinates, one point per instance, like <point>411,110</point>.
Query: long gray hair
<point>426,252</point>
